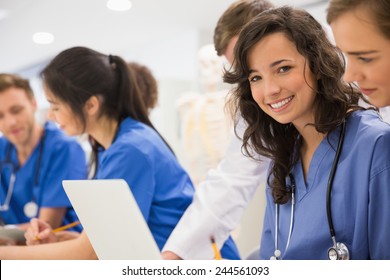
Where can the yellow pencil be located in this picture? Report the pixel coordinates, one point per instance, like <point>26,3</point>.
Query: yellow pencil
<point>66,226</point>
<point>62,228</point>
<point>217,254</point>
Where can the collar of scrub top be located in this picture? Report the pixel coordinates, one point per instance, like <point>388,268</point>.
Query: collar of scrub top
<point>7,161</point>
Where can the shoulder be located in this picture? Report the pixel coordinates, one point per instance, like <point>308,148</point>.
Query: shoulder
<point>133,137</point>
<point>368,135</point>
<point>138,141</point>
<point>3,144</point>
<point>368,123</point>
<point>3,141</point>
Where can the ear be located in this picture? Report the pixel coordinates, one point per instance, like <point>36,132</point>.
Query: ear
<point>34,104</point>
<point>92,105</point>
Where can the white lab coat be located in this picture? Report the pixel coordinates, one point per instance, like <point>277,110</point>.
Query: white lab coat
<point>385,113</point>
<point>218,203</point>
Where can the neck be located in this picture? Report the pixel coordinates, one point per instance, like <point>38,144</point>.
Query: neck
<point>24,150</point>
<point>103,131</point>
<point>310,136</point>
<point>311,139</point>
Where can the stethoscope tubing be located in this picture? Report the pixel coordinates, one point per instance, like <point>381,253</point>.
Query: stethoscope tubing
<point>328,198</point>
<point>330,182</point>
<point>5,205</point>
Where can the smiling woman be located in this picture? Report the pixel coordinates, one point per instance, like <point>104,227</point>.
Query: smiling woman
<point>288,76</point>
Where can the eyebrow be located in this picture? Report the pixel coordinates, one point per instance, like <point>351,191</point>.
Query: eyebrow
<point>51,101</point>
<point>361,52</point>
<point>273,64</point>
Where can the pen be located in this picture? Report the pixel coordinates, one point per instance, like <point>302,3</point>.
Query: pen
<point>217,254</point>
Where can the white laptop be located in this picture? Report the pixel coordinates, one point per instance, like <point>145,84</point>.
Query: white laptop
<point>112,219</point>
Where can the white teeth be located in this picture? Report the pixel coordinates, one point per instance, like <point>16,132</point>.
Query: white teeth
<point>281,103</point>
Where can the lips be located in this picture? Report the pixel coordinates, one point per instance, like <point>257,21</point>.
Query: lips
<point>367,91</point>
<point>15,131</point>
<point>281,103</point>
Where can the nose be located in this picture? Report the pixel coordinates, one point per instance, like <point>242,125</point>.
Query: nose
<point>352,73</point>
<point>271,86</point>
<point>10,120</point>
<point>51,115</point>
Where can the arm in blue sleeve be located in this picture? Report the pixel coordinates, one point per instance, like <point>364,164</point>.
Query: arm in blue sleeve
<point>135,168</point>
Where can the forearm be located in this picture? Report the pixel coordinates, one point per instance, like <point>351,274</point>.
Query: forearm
<point>76,249</point>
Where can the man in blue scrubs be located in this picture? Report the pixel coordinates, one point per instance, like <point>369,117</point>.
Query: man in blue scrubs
<point>34,159</point>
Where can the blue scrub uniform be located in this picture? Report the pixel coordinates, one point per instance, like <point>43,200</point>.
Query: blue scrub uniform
<point>159,184</point>
<point>360,197</point>
<point>62,158</point>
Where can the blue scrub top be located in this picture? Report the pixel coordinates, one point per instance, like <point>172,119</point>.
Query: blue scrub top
<point>360,198</point>
<point>159,184</point>
<point>62,159</point>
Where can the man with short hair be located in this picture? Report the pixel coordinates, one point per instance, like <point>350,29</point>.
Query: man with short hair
<point>34,160</point>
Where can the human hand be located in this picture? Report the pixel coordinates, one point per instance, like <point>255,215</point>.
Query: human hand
<point>39,232</point>
<point>168,255</point>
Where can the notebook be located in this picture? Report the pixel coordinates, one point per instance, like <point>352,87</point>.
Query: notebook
<point>112,219</point>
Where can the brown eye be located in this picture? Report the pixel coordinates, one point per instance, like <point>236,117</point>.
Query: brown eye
<point>16,110</point>
<point>284,69</point>
<point>254,79</point>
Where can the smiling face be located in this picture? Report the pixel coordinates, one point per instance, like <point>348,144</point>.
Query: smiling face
<point>281,81</point>
<point>368,54</point>
<point>17,119</point>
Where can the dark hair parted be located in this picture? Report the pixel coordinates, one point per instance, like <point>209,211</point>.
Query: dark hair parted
<point>334,98</point>
<point>79,73</point>
<point>8,81</point>
<point>379,11</point>
<point>234,18</point>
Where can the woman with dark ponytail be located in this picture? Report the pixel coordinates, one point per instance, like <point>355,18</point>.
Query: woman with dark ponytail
<point>93,93</point>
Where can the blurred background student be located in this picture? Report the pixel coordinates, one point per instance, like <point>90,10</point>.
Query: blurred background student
<point>147,84</point>
<point>35,158</point>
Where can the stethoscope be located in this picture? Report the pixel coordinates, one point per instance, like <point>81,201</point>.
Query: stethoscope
<point>30,209</point>
<point>339,251</point>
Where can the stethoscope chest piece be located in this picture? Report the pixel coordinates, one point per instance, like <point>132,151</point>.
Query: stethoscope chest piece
<point>30,209</point>
<point>338,252</point>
